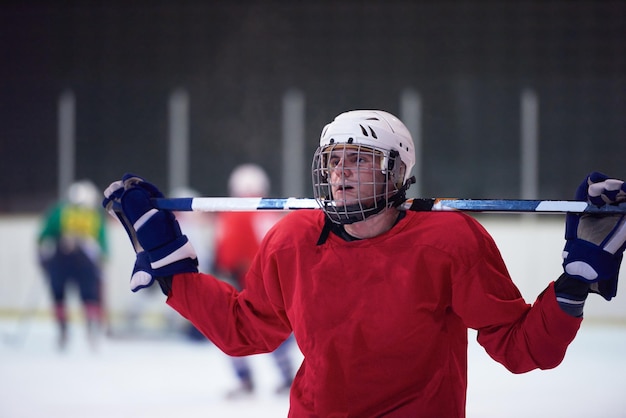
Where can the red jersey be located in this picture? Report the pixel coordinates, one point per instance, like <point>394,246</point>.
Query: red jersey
<point>382,322</point>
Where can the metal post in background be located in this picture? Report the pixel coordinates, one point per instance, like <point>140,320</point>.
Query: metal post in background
<point>66,141</point>
<point>411,115</point>
<point>529,145</point>
<point>293,143</point>
<point>178,175</point>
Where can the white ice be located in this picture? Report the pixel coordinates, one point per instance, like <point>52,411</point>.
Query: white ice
<point>173,377</point>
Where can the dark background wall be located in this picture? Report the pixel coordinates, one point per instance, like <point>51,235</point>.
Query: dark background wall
<point>468,60</point>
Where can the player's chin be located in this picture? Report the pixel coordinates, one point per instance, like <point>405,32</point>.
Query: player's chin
<point>342,198</point>
<point>350,201</point>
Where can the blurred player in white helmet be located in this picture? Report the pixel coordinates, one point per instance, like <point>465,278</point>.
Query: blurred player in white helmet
<point>238,237</point>
<point>379,299</point>
<point>72,246</point>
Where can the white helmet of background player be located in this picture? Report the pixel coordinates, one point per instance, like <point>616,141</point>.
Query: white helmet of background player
<point>377,133</point>
<point>84,193</point>
<point>248,180</point>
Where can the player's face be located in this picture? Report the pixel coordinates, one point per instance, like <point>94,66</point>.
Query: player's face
<point>355,175</point>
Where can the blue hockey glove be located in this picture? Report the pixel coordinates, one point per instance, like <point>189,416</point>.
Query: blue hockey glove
<point>595,243</point>
<point>162,250</point>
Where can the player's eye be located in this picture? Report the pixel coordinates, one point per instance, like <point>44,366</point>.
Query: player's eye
<point>333,162</point>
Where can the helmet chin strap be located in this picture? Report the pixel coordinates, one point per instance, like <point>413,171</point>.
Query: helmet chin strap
<point>357,213</point>
<point>400,196</point>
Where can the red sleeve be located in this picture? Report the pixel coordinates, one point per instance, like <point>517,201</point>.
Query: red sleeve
<point>250,321</point>
<point>520,336</point>
<point>227,317</point>
<point>539,339</point>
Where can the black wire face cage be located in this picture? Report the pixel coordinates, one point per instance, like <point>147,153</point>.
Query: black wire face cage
<point>364,180</point>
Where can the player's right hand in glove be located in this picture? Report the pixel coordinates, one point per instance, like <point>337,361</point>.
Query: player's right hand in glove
<point>595,243</point>
<point>162,250</point>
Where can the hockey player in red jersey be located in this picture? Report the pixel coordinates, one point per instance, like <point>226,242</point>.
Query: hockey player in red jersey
<point>379,300</point>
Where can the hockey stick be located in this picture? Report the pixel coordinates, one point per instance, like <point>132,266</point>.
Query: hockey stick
<point>240,204</point>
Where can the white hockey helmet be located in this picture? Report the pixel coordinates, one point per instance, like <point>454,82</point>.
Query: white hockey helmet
<point>83,193</point>
<point>248,180</point>
<point>373,131</point>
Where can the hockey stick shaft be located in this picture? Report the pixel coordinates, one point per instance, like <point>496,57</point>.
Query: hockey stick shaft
<point>237,204</point>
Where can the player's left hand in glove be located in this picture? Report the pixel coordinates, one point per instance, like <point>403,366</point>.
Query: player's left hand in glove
<point>162,250</point>
<point>595,243</point>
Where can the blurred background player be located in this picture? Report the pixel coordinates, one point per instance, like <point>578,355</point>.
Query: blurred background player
<point>72,246</point>
<point>238,236</point>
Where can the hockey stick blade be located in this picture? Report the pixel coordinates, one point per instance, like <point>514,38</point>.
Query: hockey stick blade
<point>241,204</point>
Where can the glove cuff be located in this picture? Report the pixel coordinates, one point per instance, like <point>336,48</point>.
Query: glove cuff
<point>177,256</point>
<point>187,265</point>
<point>586,261</point>
<point>166,284</point>
<point>178,249</point>
<point>571,294</point>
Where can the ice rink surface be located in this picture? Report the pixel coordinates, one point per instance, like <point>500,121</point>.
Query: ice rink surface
<point>175,377</point>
